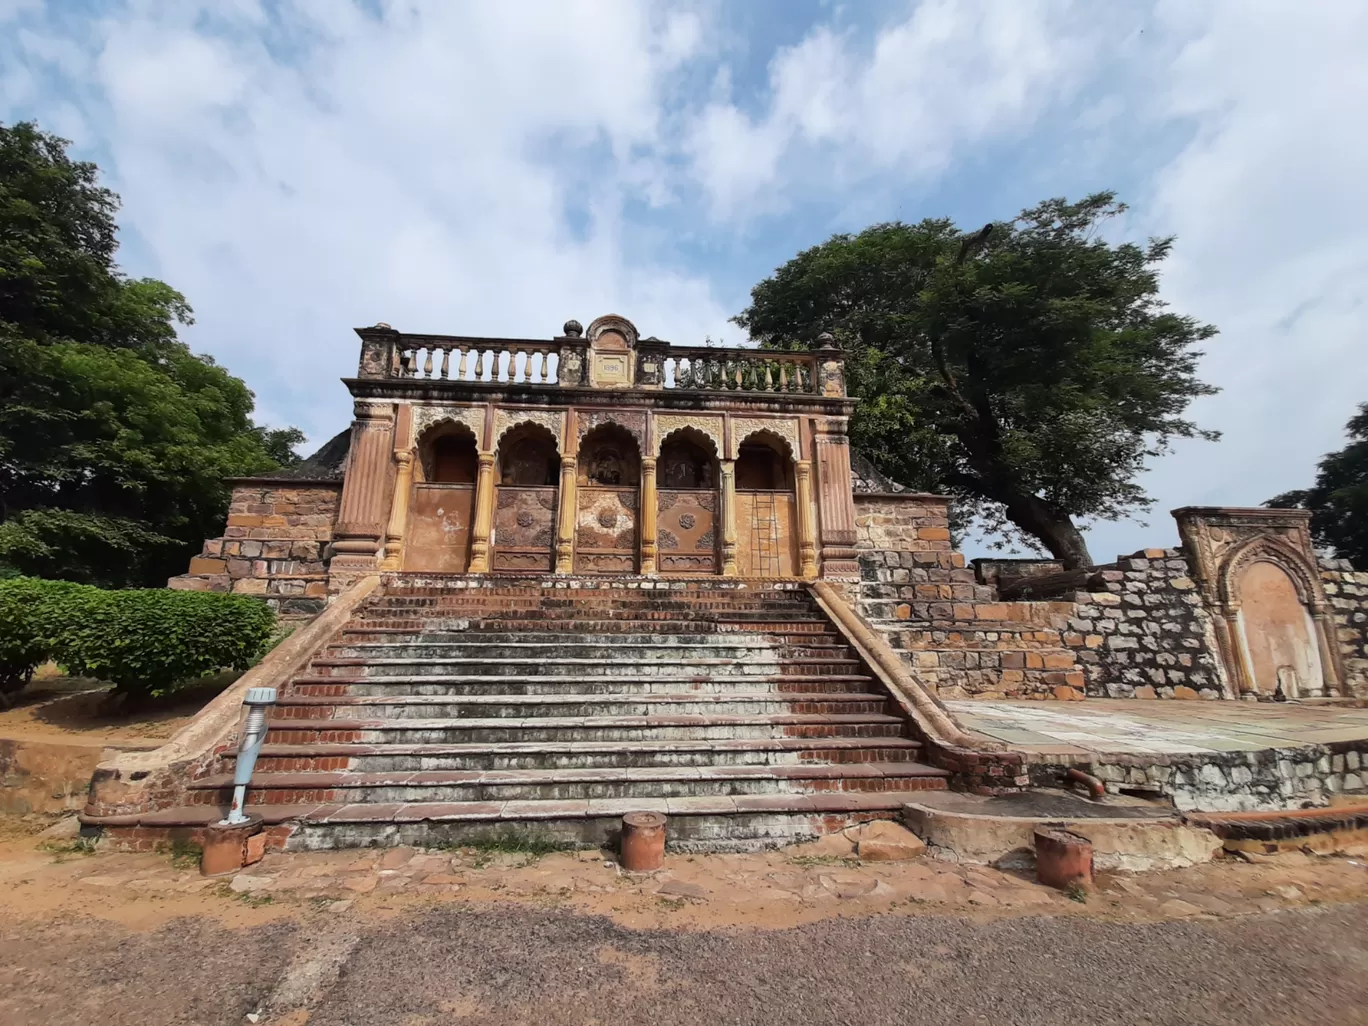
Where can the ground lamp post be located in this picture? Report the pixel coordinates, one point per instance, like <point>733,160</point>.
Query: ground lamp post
<point>226,845</point>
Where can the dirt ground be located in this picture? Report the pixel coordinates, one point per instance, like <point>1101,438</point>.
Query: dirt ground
<point>801,934</point>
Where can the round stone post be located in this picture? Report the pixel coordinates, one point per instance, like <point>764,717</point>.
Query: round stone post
<point>729,568</point>
<point>565,515</point>
<point>648,515</point>
<point>484,515</point>
<point>643,841</point>
<point>807,543</point>
<point>399,508</point>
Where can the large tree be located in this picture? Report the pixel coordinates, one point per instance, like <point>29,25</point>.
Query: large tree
<point>114,437</point>
<point>1339,499</point>
<point>1028,367</point>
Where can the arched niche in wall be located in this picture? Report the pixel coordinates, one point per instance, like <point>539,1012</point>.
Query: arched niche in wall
<point>527,468</point>
<point>607,497</point>
<point>766,507</point>
<point>687,524</point>
<point>442,507</point>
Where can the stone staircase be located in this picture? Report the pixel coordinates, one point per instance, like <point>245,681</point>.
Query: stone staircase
<point>450,709</point>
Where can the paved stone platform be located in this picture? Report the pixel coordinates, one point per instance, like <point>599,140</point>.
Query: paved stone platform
<point>1105,727</point>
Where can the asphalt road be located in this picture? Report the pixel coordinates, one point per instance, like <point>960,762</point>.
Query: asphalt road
<point>512,964</point>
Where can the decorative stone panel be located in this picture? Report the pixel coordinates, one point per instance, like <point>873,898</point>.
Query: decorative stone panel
<point>425,417</point>
<point>506,420</point>
<point>742,428</point>
<point>666,424</point>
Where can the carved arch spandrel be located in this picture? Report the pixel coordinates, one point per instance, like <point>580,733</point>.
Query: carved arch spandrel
<point>506,420</point>
<point>744,428</point>
<point>1268,549</point>
<point>633,423</point>
<point>667,424</point>
<point>427,417</point>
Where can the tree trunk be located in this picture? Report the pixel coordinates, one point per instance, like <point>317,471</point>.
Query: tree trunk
<point>1055,530</point>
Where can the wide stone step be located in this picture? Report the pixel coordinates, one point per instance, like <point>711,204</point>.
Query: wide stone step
<point>435,683</point>
<point>549,785</point>
<point>522,706</point>
<point>589,651</point>
<point>629,729</point>
<point>602,666</point>
<point>352,635</point>
<point>636,625</point>
<point>585,688</point>
<point>394,757</point>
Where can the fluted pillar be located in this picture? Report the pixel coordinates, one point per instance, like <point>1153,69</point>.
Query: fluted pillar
<point>647,521</point>
<point>360,532</point>
<point>1329,664</point>
<point>565,516</point>
<point>484,515</point>
<point>1244,683</point>
<point>807,542</point>
<point>399,510</point>
<point>729,568</point>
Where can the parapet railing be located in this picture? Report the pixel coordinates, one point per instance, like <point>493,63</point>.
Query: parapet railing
<point>571,363</point>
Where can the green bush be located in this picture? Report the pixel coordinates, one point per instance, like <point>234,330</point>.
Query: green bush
<point>32,615</point>
<point>144,641</point>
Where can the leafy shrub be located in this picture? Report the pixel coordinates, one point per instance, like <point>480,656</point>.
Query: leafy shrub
<point>32,615</point>
<point>145,642</point>
<point>148,641</point>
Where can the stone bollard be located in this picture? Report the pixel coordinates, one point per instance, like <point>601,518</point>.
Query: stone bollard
<point>1063,858</point>
<point>643,841</point>
<point>225,846</point>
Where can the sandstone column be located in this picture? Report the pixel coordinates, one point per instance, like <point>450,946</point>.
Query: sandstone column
<point>729,568</point>
<point>399,509</point>
<point>484,515</point>
<point>836,503</point>
<point>647,525</point>
<point>361,518</point>
<point>1239,661</point>
<point>565,515</point>
<point>1329,665</point>
<point>807,546</point>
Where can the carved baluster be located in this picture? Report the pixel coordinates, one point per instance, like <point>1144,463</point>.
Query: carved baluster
<point>446,362</point>
<point>738,372</point>
<point>769,376</point>
<point>427,363</point>
<point>463,363</point>
<point>783,376</point>
<point>482,365</point>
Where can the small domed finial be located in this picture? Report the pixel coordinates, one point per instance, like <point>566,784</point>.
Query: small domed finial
<point>827,340</point>
<point>572,328</point>
<point>383,326</point>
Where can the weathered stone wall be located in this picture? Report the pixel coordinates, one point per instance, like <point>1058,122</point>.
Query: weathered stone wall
<point>273,547</point>
<point>907,564</point>
<point>1145,632</point>
<point>1346,592</point>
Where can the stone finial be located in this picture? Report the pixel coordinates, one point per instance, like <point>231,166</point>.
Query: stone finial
<point>382,326</point>
<point>572,328</point>
<point>826,340</point>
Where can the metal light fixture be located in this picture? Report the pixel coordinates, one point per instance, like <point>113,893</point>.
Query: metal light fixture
<point>253,733</point>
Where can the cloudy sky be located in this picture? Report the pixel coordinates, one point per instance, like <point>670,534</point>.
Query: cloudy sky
<point>301,167</point>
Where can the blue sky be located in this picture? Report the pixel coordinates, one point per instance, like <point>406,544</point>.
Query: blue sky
<point>300,167</point>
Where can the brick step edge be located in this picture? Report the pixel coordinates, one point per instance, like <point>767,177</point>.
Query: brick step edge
<point>1280,824</point>
<point>515,810</point>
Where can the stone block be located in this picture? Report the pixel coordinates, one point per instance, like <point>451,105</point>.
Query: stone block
<point>204,565</point>
<point>1184,692</point>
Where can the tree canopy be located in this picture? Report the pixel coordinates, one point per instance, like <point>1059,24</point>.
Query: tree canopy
<point>1028,368</point>
<point>114,436</point>
<point>1339,499</point>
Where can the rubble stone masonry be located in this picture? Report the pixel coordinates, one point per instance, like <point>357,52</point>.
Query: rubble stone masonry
<point>1346,592</point>
<point>273,547</point>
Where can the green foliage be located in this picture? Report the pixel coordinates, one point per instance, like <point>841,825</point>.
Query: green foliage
<point>32,615</point>
<point>114,437</point>
<point>1028,368</point>
<point>144,641</point>
<point>1339,499</point>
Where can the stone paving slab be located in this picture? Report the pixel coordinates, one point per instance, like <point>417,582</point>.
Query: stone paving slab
<point>1127,726</point>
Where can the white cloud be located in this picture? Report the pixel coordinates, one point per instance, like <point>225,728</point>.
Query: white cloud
<point>1267,201</point>
<point>300,176</point>
<point>951,75</point>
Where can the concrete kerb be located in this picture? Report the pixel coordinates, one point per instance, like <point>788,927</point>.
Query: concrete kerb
<point>1126,844</point>
<point>137,782</point>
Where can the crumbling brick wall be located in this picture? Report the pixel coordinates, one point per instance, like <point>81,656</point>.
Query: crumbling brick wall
<point>273,547</point>
<point>1145,631</point>
<point>1346,591</point>
<point>907,563</point>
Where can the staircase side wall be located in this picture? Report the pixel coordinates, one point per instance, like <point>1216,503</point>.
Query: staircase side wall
<point>273,547</point>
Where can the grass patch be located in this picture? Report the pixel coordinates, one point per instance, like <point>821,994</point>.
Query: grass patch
<point>1077,892</point>
<point>184,854</point>
<point>509,842</point>
<point>249,898</point>
<point>68,848</point>
<point>823,860</point>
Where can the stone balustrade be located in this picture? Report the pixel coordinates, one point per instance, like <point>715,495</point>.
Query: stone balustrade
<point>740,370</point>
<point>479,360</point>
